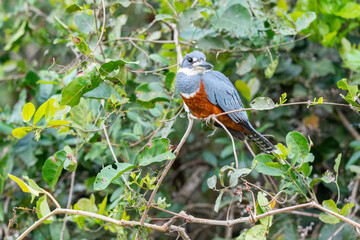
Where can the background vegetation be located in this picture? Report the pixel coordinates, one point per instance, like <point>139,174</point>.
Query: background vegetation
<point>90,117</point>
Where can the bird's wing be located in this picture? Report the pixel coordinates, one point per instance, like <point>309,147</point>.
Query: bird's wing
<point>222,93</point>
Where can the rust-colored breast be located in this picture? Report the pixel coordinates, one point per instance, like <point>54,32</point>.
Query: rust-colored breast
<point>201,107</point>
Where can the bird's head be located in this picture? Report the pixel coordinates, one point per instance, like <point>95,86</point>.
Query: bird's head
<point>195,63</point>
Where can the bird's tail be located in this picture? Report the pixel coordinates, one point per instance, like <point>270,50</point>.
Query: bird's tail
<point>264,144</point>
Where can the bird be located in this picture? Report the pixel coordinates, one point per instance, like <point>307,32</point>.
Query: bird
<point>207,93</point>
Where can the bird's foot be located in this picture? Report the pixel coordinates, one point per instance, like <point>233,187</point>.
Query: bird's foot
<point>209,118</point>
<point>213,132</point>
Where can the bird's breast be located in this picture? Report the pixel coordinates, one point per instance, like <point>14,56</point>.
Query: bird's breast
<point>201,107</point>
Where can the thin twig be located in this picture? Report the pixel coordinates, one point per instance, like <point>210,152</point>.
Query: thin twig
<point>72,182</point>
<point>285,104</point>
<point>194,3</point>
<point>97,216</point>
<point>151,71</point>
<point>109,143</point>
<point>188,218</point>
<point>166,170</point>
<point>348,126</point>
<point>140,49</point>
<point>101,35</point>
<point>232,141</point>
<point>146,40</point>
<point>249,148</point>
<point>52,198</point>
<point>172,8</point>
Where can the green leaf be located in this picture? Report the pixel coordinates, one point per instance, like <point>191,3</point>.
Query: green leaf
<point>158,152</point>
<point>330,219</point>
<point>210,158</point>
<point>108,174</point>
<point>124,3</point>
<point>47,109</point>
<point>262,103</point>
<point>354,169</point>
<point>270,70</point>
<point>326,218</point>
<point>28,111</point>
<point>337,163</point>
<point>315,181</point>
<point>211,182</point>
<point>242,87</point>
<point>43,209</point>
<point>52,168</point>
<point>235,19</point>
<point>102,206</point>
<point>218,201</point>
<point>346,209</point>
<point>264,164</point>
<point>24,187</point>
<point>305,20</point>
<point>169,81</point>
<point>110,66</point>
<point>352,94</point>
<point>159,59</point>
<point>246,65</point>
<point>85,23</point>
<point>264,205</point>
<point>349,11</point>
<point>20,33</point>
<point>331,205</point>
<point>58,123</point>
<point>298,145</point>
<point>237,174</point>
<point>33,184</point>
<point>21,131</point>
<point>257,232</point>
<point>80,44</point>
<point>73,8</point>
<point>82,84</point>
<point>150,93</point>
<point>163,16</point>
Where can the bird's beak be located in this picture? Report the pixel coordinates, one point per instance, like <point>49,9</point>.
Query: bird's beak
<point>203,65</point>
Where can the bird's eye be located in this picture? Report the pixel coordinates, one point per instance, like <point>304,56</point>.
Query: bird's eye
<point>190,60</point>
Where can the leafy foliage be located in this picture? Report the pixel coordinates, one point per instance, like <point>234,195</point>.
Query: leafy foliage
<point>73,102</point>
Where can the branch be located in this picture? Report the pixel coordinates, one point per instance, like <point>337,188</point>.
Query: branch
<point>286,104</point>
<point>290,209</point>
<point>101,34</point>
<point>347,125</point>
<point>232,141</point>
<point>122,222</point>
<point>68,203</point>
<point>146,40</point>
<point>166,170</point>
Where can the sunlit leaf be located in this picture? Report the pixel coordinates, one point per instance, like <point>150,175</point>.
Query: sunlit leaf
<point>264,164</point>
<point>211,182</point>
<point>52,168</point>
<point>28,111</point>
<point>158,152</point>
<point>218,201</point>
<point>262,103</point>
<point>58,122</point>
<point>21,131</point>
<point>43,209</point>
<point>108,174</point>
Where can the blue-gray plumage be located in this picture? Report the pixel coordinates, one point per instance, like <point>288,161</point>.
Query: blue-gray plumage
<point>208,92</point>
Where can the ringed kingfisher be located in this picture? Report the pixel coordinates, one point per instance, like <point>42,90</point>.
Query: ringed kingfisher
<point>207,92</point>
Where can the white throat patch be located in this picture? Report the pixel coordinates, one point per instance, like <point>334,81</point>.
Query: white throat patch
<point>190,95</point>
<point>191,72</point>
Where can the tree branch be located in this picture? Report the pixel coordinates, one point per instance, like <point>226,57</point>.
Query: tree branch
<point>166,170</point>
<point>122,222</point>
